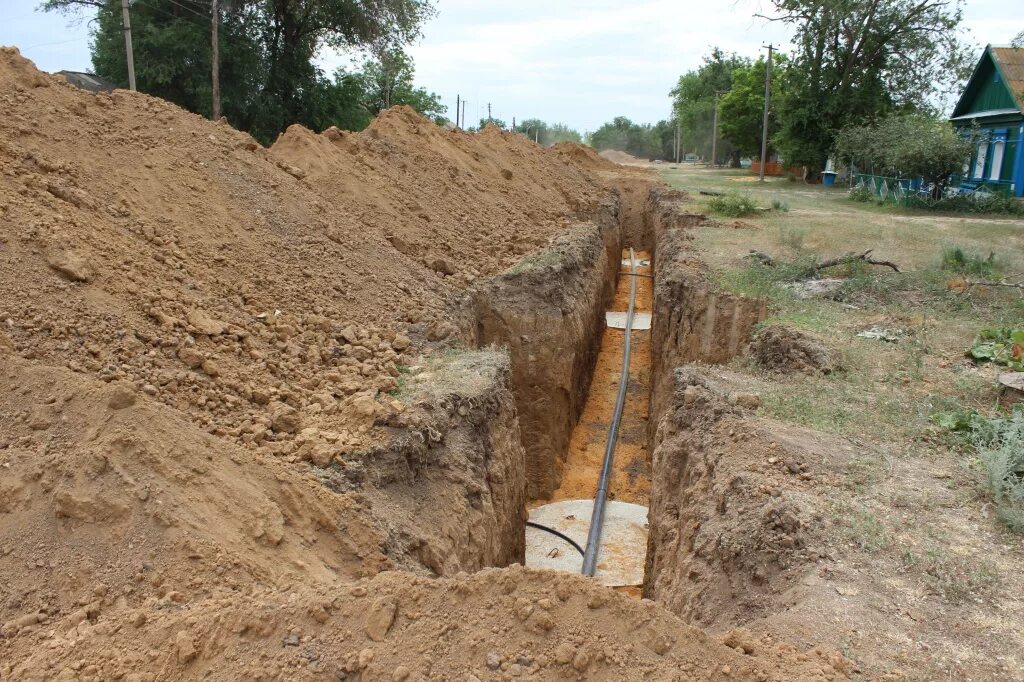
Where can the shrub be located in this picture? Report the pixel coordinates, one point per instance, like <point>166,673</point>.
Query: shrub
<point>733,204</point>
<point>954,258</point>
<point>992,202</point>
<point>862,194</point>
<point>780,205</point>
<point>1000,446</point>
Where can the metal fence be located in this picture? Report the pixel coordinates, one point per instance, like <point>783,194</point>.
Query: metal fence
<point>904,191</point>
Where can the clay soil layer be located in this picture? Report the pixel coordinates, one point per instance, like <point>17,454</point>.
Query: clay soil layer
<point>631,481</point>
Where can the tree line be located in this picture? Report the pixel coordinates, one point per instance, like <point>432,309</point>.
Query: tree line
<point>268,73</point>
<point>851,63</point>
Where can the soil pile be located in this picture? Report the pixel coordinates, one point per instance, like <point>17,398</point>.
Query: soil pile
<point>582,155</point>
<point>620,157</point>
<point>259,292</point>
<point>496,624</point>
<point>784,350</point>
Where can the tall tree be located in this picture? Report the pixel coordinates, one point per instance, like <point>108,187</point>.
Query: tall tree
<point>386,80</point>
<point>278,81</point>
<point>693,102</point>
<point>859,59</point>
<point>741,111</point>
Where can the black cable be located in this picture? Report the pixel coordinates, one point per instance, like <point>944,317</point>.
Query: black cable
<point>565,537</point>
<point>597,516</point>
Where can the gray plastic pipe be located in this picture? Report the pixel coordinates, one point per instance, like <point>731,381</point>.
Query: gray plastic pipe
<point>597,517</point>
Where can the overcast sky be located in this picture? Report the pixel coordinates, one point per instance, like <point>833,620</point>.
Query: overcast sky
<point>580,63</point>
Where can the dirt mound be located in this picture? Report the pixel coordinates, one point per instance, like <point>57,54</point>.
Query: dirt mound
<point>582,155</point>
<point>464,205</point>
<point>784,350</point>
<point>236,284</point>
<point>496,624</point>
<point>620,157</point>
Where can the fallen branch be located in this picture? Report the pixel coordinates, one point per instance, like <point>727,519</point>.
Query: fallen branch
<point>865,257</point>
<point>852,258</point>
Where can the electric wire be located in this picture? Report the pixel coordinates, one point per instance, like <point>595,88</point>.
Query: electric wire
<point>533,524</point>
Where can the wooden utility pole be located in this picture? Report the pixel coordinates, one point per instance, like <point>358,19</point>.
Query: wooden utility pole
<point>677,141</point>
<point>215,61</point>
<point>767,102</point>
<point>458,109</point>
<point>714,133</point>
<point>127,23</point>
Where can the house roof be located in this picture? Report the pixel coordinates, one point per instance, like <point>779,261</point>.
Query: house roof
<point>984,97</point>
<point>1010,61</point>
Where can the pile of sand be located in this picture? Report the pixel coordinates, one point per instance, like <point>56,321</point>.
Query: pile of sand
<point>620,157</point>
<point>582,155</point>
<point>258,292</point>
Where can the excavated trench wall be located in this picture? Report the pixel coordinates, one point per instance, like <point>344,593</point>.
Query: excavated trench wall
<point>448,489</point>
<point>692,320</point>
<point>715,542</point>
<point>549,312</point>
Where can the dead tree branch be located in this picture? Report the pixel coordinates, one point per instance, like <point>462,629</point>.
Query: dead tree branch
<point>852,258</point>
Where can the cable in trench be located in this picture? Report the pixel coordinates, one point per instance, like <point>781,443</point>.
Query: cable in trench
<point>601,499</point>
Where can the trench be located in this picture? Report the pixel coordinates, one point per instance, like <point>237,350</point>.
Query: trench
<point>548,313</point>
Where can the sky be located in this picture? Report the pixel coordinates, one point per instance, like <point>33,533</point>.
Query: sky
<point>573,62</point>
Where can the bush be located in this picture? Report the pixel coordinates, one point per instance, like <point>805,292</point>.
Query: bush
<point>733,204</point>
<point>862,194</point>
<point>780,205</point>
<point>1000,445</point>
<point>957,260</point>
<point>993,202</point>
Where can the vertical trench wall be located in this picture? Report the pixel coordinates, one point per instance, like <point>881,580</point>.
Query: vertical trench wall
<point>714,541</point>
<point>549,312</point>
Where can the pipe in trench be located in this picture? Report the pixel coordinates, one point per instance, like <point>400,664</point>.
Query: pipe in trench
<point>601,499</point>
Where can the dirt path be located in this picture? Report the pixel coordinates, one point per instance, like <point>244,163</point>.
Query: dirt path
<point>631,480</point>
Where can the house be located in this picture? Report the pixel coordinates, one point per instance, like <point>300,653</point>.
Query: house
<point>994,101</point>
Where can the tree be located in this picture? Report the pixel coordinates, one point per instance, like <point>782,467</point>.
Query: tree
<point>386,80</point>
<point>909,145</point>
<point>693,102</point>
<point>856,60</point>
<point>546,134</point>
<point>741,111</point>
<point>279,82</point>
<point>173,56</point>
<point>642,141</point>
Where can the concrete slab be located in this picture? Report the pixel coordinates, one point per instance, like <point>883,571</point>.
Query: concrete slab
<point>617,320</point>
<point>623,540</point>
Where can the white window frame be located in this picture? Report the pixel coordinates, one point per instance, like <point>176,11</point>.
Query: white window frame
<point>998,150</point>
<point>979,164</point>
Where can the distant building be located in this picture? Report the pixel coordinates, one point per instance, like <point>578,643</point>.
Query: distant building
<point>87,81</point>
<point>994,101</point>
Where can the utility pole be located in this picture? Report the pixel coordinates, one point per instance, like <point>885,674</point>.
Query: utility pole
<point>677,140</point>
<point>458,110</point>
<point>215,60</point>
<point>463,114</point>
<point>767,101</point>
<point>714,133</point>
<point>489,119</point>
<point>128,44</point>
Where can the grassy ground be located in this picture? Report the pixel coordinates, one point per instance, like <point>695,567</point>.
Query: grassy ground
<point>885,390</point>
<point>912,513</point>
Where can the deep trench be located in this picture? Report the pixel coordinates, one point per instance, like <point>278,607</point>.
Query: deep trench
<point>550,315</point>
